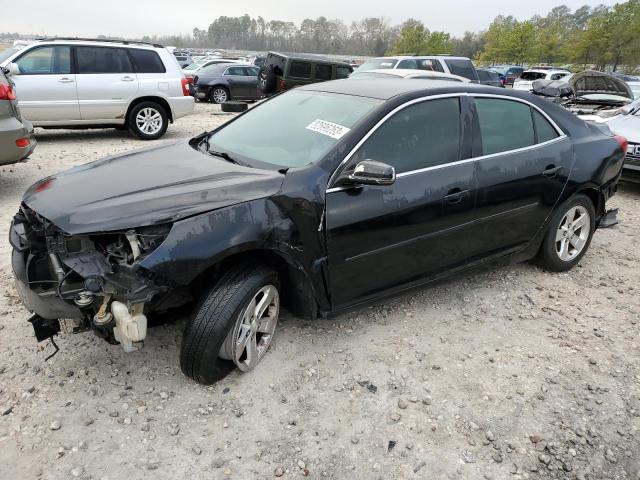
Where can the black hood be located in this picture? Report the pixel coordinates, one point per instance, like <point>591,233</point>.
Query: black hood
<point>146,187</point>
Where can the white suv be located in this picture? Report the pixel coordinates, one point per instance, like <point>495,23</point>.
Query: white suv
<point>461,66</point>
<point>96,83</point>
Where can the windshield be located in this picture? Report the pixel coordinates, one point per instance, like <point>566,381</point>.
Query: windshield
<point>378,64</point>
<point>4,54</point>
<point>293,129</point>
<point>635,88</point>
<point>500,70</point>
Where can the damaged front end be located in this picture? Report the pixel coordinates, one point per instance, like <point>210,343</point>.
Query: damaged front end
<point>85,282</point>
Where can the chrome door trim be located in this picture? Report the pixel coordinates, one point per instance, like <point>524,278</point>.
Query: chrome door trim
<point>561,135</point>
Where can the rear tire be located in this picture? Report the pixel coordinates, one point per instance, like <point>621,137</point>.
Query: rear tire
<point>218,315</point>
<point>569,234</point>
<point>148,121</point>
<point>219,95</point>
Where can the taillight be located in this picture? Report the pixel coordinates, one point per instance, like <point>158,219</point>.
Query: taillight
<point>6,92</point>
<point>23,142</point>
<point>282,85</point>
<point>623,142</point>
<point>185,86</point>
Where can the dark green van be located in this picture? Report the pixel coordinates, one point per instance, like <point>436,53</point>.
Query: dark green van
<point>282,71</point>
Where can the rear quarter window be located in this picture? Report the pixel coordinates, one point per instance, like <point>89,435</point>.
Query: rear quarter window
<point>146,61</point>
<point>343,72</point>
<point>463,68</point>
<point>323,72</point>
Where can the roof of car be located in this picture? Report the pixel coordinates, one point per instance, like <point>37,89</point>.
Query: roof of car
<point>409,72</point>
<point>96,41</point>
<point>385,89</point>
<point>546,71</point>
<point>309,56</point>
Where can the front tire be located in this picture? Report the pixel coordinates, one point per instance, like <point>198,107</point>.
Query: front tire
<point>233,326</point>
<point>569,234</point>
<point>148,121</point>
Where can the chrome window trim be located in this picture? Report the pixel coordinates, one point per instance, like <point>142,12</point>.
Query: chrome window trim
<point>561,135</point>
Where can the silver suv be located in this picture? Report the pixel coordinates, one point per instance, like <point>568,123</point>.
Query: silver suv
<point>68,82</point>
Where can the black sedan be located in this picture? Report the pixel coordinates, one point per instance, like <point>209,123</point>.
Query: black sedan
<point>227,81</point>
<point>322,199</point>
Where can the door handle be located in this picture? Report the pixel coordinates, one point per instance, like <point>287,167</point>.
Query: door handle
<point>127,78</point>
<point>455,196</point>
<point>551,171</point>
<point>65,80</point>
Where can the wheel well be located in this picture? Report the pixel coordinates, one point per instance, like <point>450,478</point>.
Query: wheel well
<point>596,198</point>
<point>160,100</point>
<point>297,293</point>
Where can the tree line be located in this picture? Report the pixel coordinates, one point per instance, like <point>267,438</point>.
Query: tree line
<point>601,36</point>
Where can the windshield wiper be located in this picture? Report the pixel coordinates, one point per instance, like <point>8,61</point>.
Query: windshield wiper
<point>224,155</point>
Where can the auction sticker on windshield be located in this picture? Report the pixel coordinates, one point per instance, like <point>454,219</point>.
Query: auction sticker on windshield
<point>329,129</point>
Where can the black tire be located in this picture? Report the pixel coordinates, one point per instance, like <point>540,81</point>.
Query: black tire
<point>234,107</point>
<point>548,257</point>
<point>212,94</point>
<point>267,79</point>
<point>136,130</point>
<point>215,316</point>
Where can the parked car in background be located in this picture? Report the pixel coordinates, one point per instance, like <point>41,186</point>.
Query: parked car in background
<point>407,73</point>
<point>194,68</point>
<point>320,200</point>
<point>68,82</point>
<point>509,73</point>
<point>283,71</point>
<point>632,81</point>
<point>184,60</point>
<point>489,77</point>
<point>227,81</point>
<point>460,66</point>
<point>597,96</point>
<point>525,82</point>
<point>626,123</point>
<point>16,133</point>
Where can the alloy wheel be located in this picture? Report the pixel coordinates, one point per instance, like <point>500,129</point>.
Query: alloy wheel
<point>573,233</point>
<point>219,95</point>
<point>149,121</point>
<point>253,331</point>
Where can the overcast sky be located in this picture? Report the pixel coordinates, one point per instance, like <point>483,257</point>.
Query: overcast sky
<point>134,18</point>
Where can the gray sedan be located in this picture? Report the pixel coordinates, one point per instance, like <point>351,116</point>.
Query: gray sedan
<point>16,134</point>
<point>227,81</point>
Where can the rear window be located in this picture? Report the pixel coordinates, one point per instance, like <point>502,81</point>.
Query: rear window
<point>530,76</point>
<point>300,70</point>
<point>343,72</point>
<point>461,67</point>
<point>102,60</point>
<point>146,61</point>
<point>323,72</point>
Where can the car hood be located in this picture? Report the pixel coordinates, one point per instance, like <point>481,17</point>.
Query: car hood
<point>591,82</point>
<point>147,187</point>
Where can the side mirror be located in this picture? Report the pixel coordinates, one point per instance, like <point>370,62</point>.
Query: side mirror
<point>13,69</point>
<point>370,172</point>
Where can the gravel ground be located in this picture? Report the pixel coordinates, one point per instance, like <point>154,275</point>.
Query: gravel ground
<point>509,373</point>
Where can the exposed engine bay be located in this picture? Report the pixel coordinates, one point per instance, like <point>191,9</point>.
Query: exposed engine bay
<point>95,279</point>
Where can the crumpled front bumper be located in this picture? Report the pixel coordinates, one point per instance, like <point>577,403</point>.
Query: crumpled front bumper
<point>46,303</point>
